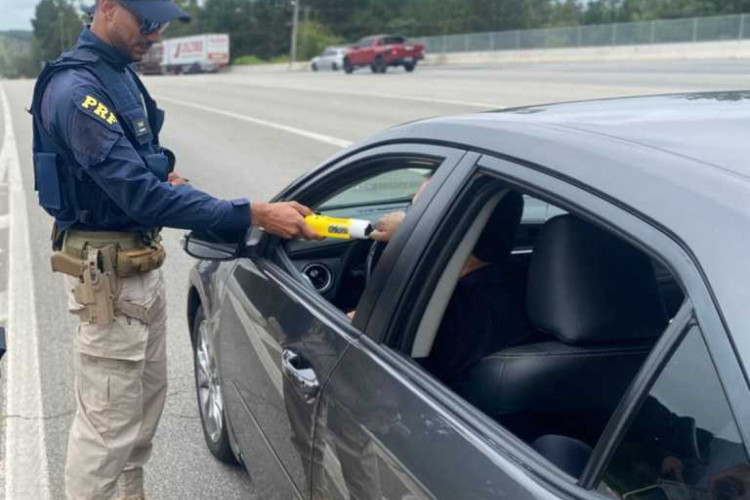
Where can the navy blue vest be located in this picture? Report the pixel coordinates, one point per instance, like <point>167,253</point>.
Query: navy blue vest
<point>65,190</point>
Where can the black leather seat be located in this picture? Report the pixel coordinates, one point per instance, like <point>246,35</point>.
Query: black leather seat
<point>596,299</point>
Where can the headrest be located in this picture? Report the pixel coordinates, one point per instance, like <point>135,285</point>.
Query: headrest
<point>499,235</point>
<point>587,286</point>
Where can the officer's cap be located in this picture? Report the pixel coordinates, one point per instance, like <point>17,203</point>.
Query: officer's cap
<point>157,11</point>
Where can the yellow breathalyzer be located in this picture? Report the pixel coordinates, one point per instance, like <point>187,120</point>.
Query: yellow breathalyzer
<point>335,227</point>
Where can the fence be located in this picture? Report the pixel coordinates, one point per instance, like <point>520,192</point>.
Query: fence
<point>696,29</point>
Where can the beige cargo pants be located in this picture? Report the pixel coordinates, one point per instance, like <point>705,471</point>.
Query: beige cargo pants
<point>120,389</point>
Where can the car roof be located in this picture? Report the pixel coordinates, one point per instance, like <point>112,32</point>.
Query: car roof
<point>710,127</point>
<point>682,161</point>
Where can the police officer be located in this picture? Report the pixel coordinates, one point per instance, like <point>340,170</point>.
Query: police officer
<point>101,172</point>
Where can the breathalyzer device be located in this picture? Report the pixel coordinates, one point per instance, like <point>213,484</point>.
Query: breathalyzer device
<point>335,227</point>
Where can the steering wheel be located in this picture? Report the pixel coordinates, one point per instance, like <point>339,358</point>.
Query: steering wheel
<point>373,256</point>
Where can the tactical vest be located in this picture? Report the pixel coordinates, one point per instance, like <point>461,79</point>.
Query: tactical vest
<point>65,190</point>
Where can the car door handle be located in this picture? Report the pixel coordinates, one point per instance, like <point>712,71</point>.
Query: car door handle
<point>300,374</point>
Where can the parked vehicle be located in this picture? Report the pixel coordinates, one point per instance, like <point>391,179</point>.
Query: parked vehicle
<point>331,58</point>
<point>381,51</point>
<point>621,275</point>
<point>195,54</point>
<point>150,63</point>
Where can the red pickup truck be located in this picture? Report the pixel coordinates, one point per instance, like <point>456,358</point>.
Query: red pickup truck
<point>380,51</point>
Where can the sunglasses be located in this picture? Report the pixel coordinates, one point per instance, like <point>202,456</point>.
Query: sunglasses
<point>147,27</point>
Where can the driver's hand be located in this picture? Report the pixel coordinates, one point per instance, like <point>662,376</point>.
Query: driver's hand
<point>285,219</point>
<point>386,227</point>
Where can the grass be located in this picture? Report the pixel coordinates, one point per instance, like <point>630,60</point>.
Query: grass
<point>251,60</point>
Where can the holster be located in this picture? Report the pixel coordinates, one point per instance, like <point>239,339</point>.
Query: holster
<point>130,254</point>
<point>99,260</point>
<point>98,289</point>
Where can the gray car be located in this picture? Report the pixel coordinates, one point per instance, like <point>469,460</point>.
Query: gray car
<point>332,58</point>
<point>562,313</point>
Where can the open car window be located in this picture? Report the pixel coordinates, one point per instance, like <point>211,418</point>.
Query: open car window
<point>338,268</point>
<point>389,189</point>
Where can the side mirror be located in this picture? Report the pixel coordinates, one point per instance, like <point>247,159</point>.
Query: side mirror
<point>213,246</point>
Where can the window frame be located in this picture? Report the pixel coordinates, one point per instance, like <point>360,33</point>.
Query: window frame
<point>348,171</point>
<point>644,233</point>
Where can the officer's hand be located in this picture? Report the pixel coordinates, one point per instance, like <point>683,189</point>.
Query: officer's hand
<point>176,180</point>
<point>285,219</point>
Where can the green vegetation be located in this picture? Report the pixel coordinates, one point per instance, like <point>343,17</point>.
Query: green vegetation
<point>260,29</point>
<point>248,61</point>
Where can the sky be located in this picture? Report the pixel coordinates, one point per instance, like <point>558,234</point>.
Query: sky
<point>16,14</point>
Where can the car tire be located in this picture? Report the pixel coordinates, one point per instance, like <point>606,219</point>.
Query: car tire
<point>209,394</point>
<point>380,65</point>
<point>348,68</point>
<point>314,67</point>
<point>334,67</point>
<point>410,67</point>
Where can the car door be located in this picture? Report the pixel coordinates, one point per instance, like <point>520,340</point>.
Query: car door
<point>381,432</point>
<point>387,430</point>
<point>280,339</point>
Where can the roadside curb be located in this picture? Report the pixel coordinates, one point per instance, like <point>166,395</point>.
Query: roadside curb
<point>26,472</point>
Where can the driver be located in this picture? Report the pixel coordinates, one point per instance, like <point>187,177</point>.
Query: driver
<point>486,311</point>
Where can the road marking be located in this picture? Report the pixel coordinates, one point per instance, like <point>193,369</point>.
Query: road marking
<point>26,472</point>
<point>234,80</point>
<point>382,95</point>
<point>334,141</point>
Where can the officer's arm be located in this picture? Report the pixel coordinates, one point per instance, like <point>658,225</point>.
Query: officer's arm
<point>98,142</point>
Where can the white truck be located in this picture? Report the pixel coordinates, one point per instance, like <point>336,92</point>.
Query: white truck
<point>195,54</point>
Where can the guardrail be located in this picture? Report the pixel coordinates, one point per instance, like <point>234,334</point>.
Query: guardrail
<point>688,30</point>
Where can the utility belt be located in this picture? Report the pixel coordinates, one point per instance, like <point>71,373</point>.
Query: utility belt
<point>99,260</point>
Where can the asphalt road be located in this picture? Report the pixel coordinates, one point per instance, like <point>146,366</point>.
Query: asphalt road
<point>251,134</point>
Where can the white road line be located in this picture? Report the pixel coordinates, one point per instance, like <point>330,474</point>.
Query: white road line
<point>383,95</point>
<point>25,450</point>
<point>334,141</point>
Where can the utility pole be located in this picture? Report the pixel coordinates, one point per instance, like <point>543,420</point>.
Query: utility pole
<point>295,23</point>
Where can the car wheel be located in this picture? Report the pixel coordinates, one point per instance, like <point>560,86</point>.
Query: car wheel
<point>380,65</point>
<point>208,389</point>
<point>334,66</point>
<point>348,66</point>
<point>314,67</point>
<point>410,67</point>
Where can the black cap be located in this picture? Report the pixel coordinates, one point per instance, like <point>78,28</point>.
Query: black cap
<point>157,11</point>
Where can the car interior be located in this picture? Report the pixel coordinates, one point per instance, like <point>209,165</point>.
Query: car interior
<point>549,344</point>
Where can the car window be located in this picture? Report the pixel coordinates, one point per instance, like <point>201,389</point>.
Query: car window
<point>394,187</point>
<point>338,269</point>
<point>538,211</point>
<point>329,52</point>
<point>534,304</point>
<point>684,441</point>
<point>392,40</point>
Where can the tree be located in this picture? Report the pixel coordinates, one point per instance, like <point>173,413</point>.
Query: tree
<point>56,28</point>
